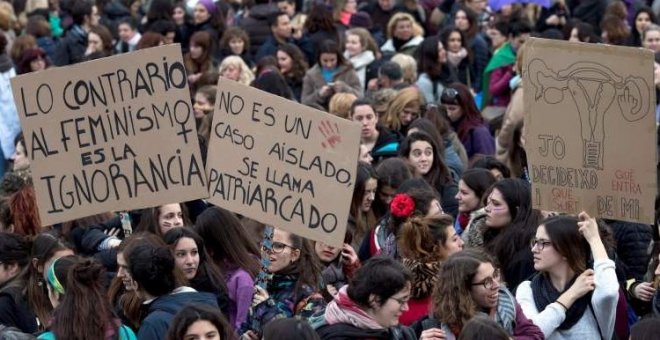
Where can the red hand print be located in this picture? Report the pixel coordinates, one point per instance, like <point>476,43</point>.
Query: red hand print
<point>330,132</point>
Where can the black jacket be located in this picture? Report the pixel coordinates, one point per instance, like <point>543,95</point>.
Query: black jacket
<point>343,331</point>
<point>256,25</point>
<point>15,310</point>
<point>632,244</point>
<point>71,49</point>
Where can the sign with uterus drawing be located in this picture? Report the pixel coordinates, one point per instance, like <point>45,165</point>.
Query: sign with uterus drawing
<point>590,129</point>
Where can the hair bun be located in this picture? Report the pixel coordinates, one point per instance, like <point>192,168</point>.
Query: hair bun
<point>87,272</point>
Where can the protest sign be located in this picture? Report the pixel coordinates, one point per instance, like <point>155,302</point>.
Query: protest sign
<point>282,163</point>
<point>111,134</point>
<point>590,129</point>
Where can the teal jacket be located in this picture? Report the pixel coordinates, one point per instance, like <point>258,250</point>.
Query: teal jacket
<point>125,333</point>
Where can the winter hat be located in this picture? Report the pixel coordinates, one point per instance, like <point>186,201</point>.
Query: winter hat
<point>361,19</point>
<point>209,5</point>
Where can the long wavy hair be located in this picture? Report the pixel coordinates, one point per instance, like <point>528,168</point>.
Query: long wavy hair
<point>452,298</point>
<point>408,97</point>
<point>299,63</point>
<point>439,173</point>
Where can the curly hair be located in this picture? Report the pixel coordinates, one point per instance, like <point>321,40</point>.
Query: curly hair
<point>402,16</point>
<point>407,98</point>
<point>452,298</point>
<point>246,76</point>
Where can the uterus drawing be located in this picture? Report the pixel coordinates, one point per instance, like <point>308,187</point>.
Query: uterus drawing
<point>593,88</point>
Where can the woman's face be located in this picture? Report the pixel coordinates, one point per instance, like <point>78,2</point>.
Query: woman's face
<point>350,6</point>
<point>467,199</point>
<point>38,64</point>
<point>403,29</point>
<point>454,112</point>
<point>200,14</point>
<point>328,60</point>
<point>365,155</point>
<point>196,51</point>
<point>388,313</point>
<point>94,42</point>
<point>496,37</point>
<point>652,40</point>
<point>421,157</point>
<point>284,62</point>
<point>353,45</point>
<point>237,45</point>
<point>486,298</point>
<point>170,216</point>
<point>546,256</point>
<point>642,21</point>
<point>497,211</point>
<point>179,16</point>
<point>461,21</point>
<point>20,158</point>
<point>202,105</point>
<point>325,252</point>
<point>186,257</point>
<point>124,275</point>
<point>282,254</point>
<point>454,42</point>
<point>369,194</point>
<point>232,72</point>
<point>409,113</point>
<point>202,330</point>
<point>442,53</point>
<point>454,242</point>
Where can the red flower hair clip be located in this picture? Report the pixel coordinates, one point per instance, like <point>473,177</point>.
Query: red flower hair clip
<point>402,206</point>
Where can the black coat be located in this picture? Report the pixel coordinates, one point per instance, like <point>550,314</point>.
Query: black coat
<point>71,49</point>
<point>15,310</point>
<point>632,244</point>
<point>343,331</point>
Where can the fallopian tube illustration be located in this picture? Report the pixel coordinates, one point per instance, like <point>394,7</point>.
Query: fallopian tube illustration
<point>593,88</point>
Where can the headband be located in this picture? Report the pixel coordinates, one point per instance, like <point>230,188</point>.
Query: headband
<point>52,279</point>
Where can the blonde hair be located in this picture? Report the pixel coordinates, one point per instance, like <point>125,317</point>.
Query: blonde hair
<point>408,97</point>
<point>340,104</point>
<point>408,67</point>
<point>246,76</point>
<point>418,31</point>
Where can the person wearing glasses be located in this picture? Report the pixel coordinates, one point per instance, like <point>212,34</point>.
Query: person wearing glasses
<point>369,307</point>
<point>470,285</point>
<point>467,122</point>
<point>567,299</point>
<point>510,225</point>
<point>294,289</point>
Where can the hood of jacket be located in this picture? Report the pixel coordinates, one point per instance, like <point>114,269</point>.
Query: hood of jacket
<point>173,302</point>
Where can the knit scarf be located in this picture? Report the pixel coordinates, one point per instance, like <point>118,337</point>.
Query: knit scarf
<point>455,58</point>
<point>545,293</point>
<point>344,310</point>
<point>504,314</point>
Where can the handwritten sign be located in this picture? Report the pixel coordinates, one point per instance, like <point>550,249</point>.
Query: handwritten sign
<point>282,163</point>
<point>111,134</point>
<point>590,129</point>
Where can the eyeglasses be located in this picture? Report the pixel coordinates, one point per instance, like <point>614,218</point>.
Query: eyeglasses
<point>401,302</point>
<point>489,282</point>
<point>539,244</point>
<point>277,247</point>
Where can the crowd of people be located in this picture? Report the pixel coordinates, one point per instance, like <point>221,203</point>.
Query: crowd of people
<point>442,241</point>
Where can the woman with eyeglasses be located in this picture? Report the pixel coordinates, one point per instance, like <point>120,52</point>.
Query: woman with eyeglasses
<point>470,285</point>
<point>369,307</point>
<point>294,287</point>
<point>568,299</point>
<point>510,225</point>
<point>467,122</point>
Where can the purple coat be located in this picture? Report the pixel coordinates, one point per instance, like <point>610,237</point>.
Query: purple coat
<point>240,288</point>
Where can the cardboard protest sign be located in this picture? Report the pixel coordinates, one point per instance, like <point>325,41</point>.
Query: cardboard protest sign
<point>112,134</point>
<point>590,129</point>
<point>282,163</point>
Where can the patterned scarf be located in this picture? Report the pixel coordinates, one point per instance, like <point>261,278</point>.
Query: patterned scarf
<point>344,310</point>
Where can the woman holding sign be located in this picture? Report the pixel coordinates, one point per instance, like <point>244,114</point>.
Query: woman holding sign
<point>294,288</point>
<point>567,299</point>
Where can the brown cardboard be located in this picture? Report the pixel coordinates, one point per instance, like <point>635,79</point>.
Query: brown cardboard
<point>282,163</point>
<point>590,131</point>
<point>87,160</point>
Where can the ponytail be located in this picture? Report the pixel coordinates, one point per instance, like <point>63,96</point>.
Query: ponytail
<point>84,311</point>
<point>421,238</point>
